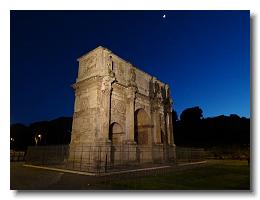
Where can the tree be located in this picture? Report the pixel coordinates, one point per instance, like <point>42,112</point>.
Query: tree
<point>54,132</point>
<point>193,114</point>
<point>20,137</point>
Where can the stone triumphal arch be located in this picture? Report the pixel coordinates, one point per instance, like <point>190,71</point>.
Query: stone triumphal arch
<point>119,107</point>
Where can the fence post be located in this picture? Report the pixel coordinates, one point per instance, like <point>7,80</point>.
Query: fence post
<point>74,159</point>
<point>106,164</point>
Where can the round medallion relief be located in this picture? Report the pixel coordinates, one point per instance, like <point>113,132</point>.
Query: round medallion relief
<point>120,107</point>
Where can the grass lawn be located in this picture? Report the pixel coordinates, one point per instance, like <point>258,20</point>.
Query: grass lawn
<point>216,175</point>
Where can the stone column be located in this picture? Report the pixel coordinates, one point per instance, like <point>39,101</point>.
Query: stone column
<point>157,125</point>
<point>169,115</point>
<point>102,148</point>
<point>105,109</point>
<point>130,109</point>
<point>172,147</point>
<point>170,128</point>
<point>155,139</point>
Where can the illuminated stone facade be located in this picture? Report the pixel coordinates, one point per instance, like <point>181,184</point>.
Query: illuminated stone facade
<point>117,104</point>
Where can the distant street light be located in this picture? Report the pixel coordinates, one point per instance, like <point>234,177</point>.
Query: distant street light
<point>12,139</point>
<point>37,138</point>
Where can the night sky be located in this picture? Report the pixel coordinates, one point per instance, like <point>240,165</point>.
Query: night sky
<point>203,55</point>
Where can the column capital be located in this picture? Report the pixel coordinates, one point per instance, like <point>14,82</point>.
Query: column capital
<point>106,84</point>
<point>131,92</point>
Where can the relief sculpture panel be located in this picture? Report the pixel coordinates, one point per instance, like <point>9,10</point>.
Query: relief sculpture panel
<point>118,106</point>
<point>118,111</point>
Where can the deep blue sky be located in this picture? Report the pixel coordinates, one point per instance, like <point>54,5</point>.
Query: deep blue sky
<point>203,55</point>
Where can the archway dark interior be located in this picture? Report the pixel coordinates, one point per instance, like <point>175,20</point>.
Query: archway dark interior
<point>115,133</point>
<point>162,136</point>
<point>142,125</point>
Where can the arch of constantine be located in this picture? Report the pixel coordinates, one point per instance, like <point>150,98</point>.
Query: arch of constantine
<point>121,112</point>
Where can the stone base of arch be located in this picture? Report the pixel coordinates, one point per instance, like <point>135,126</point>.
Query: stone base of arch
<point>91,157</point>
<point>105,157</point>
<point>98,159</point>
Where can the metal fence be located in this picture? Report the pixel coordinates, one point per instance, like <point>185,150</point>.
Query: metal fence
<point>184,154</point>
<point>17,156</point>
<point>103,159</point>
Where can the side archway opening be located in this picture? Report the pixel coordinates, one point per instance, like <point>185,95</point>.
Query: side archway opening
<point>116,133</point>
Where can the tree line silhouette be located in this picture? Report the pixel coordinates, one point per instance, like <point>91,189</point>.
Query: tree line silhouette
<point>194,130</point>
<point>191,130</point>
<point>54,132</point>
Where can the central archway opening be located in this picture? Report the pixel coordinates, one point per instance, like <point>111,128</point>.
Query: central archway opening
<point>142,134</point>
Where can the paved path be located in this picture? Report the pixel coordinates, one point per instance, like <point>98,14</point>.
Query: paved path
<point>25,178</point>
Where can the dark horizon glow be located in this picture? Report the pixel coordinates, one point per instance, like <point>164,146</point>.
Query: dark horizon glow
<point>203,55</point>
